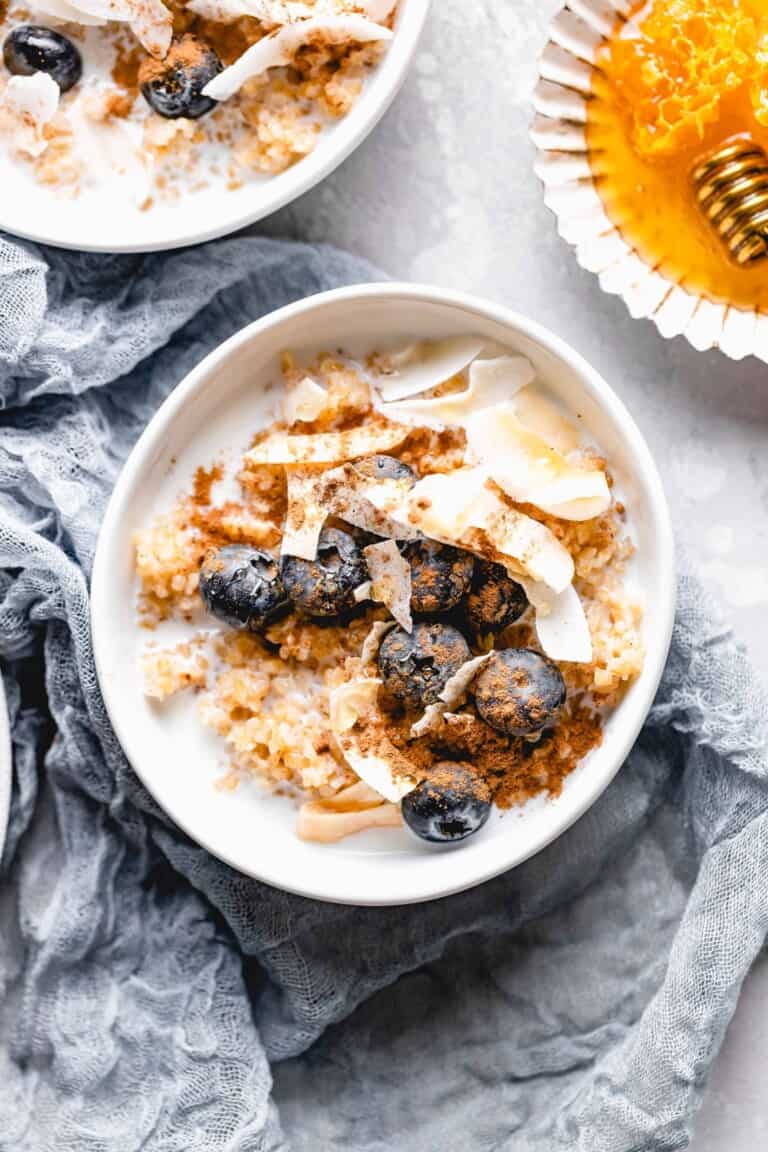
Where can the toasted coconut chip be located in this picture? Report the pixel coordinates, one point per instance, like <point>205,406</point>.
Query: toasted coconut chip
<point>306,401</point>
<point>305,515</point>
<point>562,628</point>
<point>279,48</point>
<point>327,447</point>
<point>422,367</point>
<point>319,824</point>
<point>531,472</point>
<point>452,694</point>
<point>391,580</point>
<point>353,707</point>
<point>372,642</point>
<point>344,492</point>
<point>462,508</point>
<point>491,382</point>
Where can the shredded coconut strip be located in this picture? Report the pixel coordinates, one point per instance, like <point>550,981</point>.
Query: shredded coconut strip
<point>279,48</point>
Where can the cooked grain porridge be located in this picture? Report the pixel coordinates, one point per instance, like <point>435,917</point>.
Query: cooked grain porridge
<point>410,603</point>
<point>155,99</point>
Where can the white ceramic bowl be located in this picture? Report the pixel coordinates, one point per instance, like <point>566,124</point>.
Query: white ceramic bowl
<point>216,409</point>
<point>94,224</point>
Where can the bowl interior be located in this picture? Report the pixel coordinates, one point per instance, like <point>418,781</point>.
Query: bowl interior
<point>101,221</point>
<point>214,413</point>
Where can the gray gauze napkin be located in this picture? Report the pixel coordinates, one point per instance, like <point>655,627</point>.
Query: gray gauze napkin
<point>150,995</point>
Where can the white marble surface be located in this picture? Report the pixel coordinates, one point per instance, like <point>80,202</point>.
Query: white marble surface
<point>444,192</point>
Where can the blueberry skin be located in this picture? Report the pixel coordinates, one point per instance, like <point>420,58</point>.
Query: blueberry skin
<point>440,575</point>
<point>450,806</point>
<point>519,692</point>
<point>385,468</point>
<point>415,668</point>
<point>325,586</point>
<point>494,600</point>
<point>242,587</point>
<point>173,87</point>
<point>34,48</point>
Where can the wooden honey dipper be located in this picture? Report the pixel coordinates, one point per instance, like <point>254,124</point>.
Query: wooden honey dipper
<point>731,186</point>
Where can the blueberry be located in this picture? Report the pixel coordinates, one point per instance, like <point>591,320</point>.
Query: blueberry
<point>452,804</point>
<point>33,48</point>
<point>440,575</point>
<point>519,692</point>
<point>385,468</point>
<point>415,668</point>
<point>242,587</point>
<point>173,87</point>
<point>494,600</point>
<point>326,586</point>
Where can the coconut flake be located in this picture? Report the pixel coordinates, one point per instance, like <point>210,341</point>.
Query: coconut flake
<point>362,592</point>
<point>280,447</point>
<point>372,642</point>
<point>390,580</point>
<point>279,48</point>
<point>421,367</point>
<point>277,12</point>
<point>350,704</point>
<point>28,104</point>
<point>462,508</point>
<point>305,515</point>
<point>344,492</point>
<point>352,810</point>
<point>562,628</point>
<point>305,402</point>
<point>491,382</point>
<point>452,694</point>
<point>531,472</point>
<point>541,416</point>
<point>149,20</point>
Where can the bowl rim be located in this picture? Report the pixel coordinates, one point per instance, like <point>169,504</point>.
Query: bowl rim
<point>343,889</point>
<point>346,137</point>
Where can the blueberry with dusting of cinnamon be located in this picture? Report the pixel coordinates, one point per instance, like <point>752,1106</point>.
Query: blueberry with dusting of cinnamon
<point>415,668</point>
<point>450,805</point>
<point>440,575</point>
<point>520,692</point>
<point>326,585</point>
<point>242,587</point>
<point>385,468</point>
<point>173,87</point>
<point>495,600</point>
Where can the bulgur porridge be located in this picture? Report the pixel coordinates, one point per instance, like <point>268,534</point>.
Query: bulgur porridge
<point>157,98</point>
<point>409,602</point>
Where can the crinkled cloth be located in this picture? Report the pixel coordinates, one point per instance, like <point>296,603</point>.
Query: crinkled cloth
<point>149,994</point>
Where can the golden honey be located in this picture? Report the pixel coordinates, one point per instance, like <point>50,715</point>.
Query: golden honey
<point>682,83</point>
